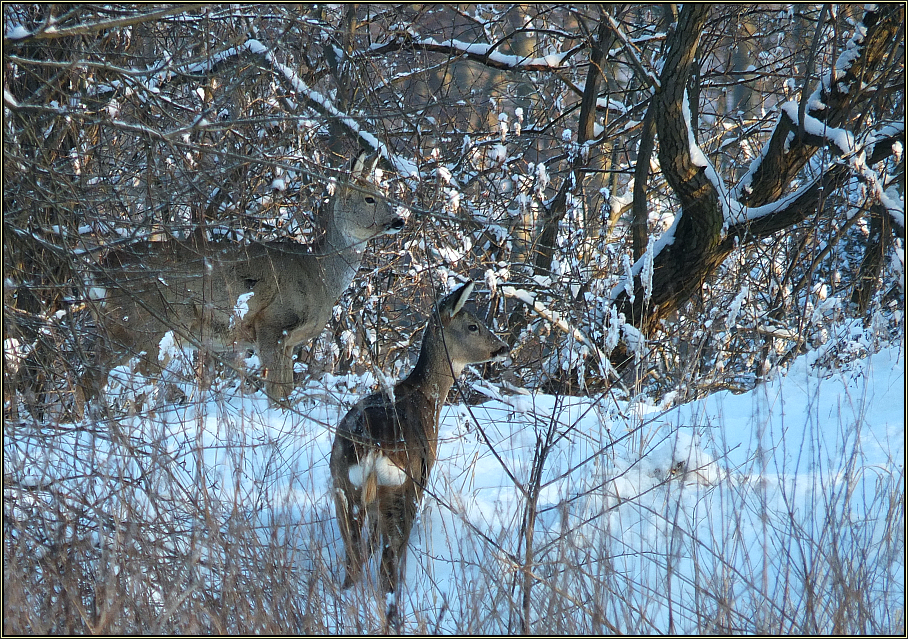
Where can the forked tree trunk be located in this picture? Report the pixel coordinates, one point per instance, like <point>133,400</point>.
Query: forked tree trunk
<point>700,243</point>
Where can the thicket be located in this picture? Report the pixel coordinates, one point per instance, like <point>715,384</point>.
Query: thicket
<point>656,205</point>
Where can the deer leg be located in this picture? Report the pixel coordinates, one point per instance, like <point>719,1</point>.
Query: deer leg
<point>277,363</point>
<point>90,383</point>
<point>350,522</point>
<point>284,378</point>
<point>108,350</point>
<point>396,522</point>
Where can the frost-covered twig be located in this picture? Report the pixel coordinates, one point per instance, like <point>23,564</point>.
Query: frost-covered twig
<point>324,105</point>
<point>631,50</point>
<point>559,322</point>
<point>313,98</point>
<point>48,30</point>
<point>480,52</point>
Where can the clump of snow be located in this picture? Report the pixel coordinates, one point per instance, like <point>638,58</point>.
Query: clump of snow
<point>16,32</point>
<point>696,154</point>
<point>635,341</point>
<point>646,270</point>
<point>168,347</point>
<point>97,293</point>
<point>241,308</point>
<point>613,334</point>
<point>735,306</point>
<point>628,281</point>
<point>14,353</point>
<point>499,154</point>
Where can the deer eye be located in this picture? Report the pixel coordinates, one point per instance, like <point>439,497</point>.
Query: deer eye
<point>473,328</point>
<point>370,199</point>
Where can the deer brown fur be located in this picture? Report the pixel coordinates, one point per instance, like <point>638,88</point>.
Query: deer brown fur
<point>225,295</point>
<point>385,446</point>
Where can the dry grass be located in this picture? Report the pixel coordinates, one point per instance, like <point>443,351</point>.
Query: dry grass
<point>108,529</point>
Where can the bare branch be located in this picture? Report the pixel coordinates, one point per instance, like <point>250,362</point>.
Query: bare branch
<point>48,31</point>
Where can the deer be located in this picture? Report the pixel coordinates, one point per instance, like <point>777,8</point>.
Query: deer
<point>228,295</point>
<point>385,446</point>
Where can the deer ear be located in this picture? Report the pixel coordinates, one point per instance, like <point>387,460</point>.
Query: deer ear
<point>364,164</point>
<point>356,169</point>
<point>373,161</point>
<point>454,301</point>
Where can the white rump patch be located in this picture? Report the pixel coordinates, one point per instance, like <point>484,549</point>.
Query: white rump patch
<point>387,473</point>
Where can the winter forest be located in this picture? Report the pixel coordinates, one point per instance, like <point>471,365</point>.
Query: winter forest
<point>686,222</point>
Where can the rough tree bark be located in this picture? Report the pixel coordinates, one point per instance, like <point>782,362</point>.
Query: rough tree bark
<point>700,241</point>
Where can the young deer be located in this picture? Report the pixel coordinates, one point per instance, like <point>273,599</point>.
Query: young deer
<point>385,446</point>
<point>274,295</point>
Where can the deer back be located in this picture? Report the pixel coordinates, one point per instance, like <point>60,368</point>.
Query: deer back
<point>384,437</point>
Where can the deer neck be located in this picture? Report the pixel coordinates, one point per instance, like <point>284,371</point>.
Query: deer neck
<point>433,376</point>
<point>339,254</point>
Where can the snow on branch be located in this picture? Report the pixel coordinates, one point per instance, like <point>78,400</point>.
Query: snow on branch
<point>631,50</point>
<point>837,89</point>
<point>559,322</point>
<point>314,99</point>
<point>852,154</point>
<point>731,208</point>
<point>858,160</point>
<point>479,52</point>
<point>324,105</point>
<point>842,140</point>
<point>49,30</point>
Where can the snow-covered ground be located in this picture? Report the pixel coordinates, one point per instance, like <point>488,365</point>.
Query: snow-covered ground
<point>735,508</point>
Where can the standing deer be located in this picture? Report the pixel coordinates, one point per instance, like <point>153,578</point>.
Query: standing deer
<point>385,446</point>
<point>273,295</point>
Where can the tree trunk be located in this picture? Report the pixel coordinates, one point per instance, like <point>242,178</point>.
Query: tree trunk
<point>872,264</point>
<point>700,244</point>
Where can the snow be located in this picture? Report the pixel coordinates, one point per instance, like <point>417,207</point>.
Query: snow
<point>551,60</point>
<point>893,203</point>
<point>611,103</point>
<point>731,208</point>
<point>660,497</point>
<point>629,274</point>
<point>242,305</point>
<point>9,100</point>
<point>168,348</point>
<point>555,318</point>
<point>646,270</point>
<point>842,139</point>
<point>404,166</point>
<point>653,249</point>
<point>17,32</point>
<point>14,354</point>
<point>710,485</point>
<point>735,306</point>
<point>852,153</point>
<point>444,174</point>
